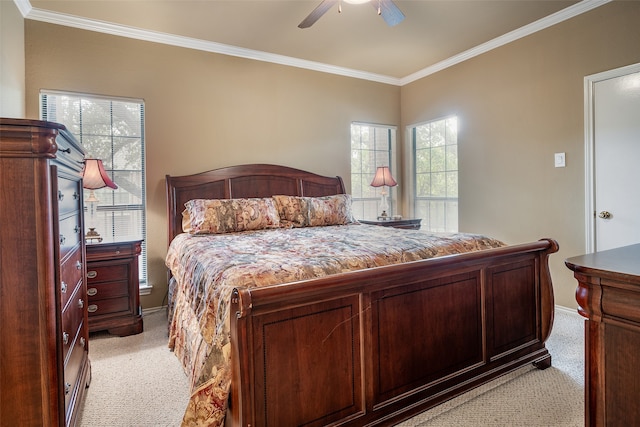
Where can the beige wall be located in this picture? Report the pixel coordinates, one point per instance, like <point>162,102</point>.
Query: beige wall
<point>518,105</point>
<point>12,86</point>
<point>206,110</point>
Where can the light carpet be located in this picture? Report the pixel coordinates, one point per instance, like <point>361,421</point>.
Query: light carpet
<point>137,381</point>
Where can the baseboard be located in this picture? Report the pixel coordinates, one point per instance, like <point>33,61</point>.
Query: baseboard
<point>153,309</point>
<point>567,310</point>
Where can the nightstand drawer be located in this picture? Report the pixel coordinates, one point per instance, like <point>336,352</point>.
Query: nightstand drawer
<point>106,273</point>
<point>109,306</point>
<point>100,291</point>
<point>111,251</point>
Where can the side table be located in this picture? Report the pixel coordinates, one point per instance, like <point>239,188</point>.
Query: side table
<point>409,223</point>
<point>113,287</point>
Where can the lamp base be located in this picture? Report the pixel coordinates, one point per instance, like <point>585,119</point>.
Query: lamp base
<point>383,205</point>
<point>91,235</point>
<point>383,216</point>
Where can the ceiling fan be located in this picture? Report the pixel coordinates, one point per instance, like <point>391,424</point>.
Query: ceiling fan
<point>387,8</point>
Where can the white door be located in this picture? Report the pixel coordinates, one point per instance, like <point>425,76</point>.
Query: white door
<point>616,158</point>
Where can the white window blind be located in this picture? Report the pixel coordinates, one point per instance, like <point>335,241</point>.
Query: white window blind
<point>110,129</point>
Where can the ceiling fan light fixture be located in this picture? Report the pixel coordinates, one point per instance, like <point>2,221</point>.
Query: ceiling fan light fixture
<point>387,8</point>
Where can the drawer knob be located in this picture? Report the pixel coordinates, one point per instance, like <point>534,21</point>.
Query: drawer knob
<point>82,342</point>
<point>80,303</point>
<point>92,274</point>
<point>92,308</point>
<point>60,195</point>
<point>92,292</point>
<point>63,287</point>
<point>76,195</point>
<point>62,240</point>
<point>67,388</point>
<point>65,338</point>
<point>76,229</point>
<point>78,265</point>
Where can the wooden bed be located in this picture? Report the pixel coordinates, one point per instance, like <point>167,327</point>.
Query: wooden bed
<point>411,335</point>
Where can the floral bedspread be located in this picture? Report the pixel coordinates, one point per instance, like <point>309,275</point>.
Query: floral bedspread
<point>208,267</point>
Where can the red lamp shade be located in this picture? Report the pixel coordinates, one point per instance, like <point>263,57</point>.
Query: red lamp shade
<point>94,176</point>
<point>383,177</point>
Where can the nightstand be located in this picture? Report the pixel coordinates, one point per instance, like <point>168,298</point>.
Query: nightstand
<point>409,223</point>
<point>113,287</point>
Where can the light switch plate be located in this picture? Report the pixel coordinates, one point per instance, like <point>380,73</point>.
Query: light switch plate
<point>559,160</point>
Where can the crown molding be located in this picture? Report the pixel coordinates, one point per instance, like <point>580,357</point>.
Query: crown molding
<point>28,12</point>
<point>541,24</point>
<point>23,6</point>
<point>191,43</point>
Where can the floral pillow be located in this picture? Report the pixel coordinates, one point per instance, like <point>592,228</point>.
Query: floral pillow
<point>293,211</point>
<point>315,211</point>
<point>216,216</point>
<point>186,221</point>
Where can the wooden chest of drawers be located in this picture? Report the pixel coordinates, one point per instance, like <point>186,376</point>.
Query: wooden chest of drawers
<point>608,295</point>
<point>113,287</point>
<point>43,309</point>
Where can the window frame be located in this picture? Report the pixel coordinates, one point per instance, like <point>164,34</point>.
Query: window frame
<point>110,205</point>
<point>412,174</point>
<point>373,194</point>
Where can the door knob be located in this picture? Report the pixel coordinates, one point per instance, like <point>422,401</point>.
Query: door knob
<point>604,215</point>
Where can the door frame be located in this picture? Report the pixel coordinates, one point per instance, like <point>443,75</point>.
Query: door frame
<point>589,146</point>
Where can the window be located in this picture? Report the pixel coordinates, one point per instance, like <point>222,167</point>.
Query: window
<point>110,129</point>
<point>371,146</point>
<point>435,174</point>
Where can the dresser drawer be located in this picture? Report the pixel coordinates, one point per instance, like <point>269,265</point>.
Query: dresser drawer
<point>70,275</point>
<point>70,233</point>
<point>69,154</point>
<point>72,318</point>
<point>106,273</point>
<point>73,365</point>
<point>109,306</point>
<point>68,195</point>
<point>104,290</point>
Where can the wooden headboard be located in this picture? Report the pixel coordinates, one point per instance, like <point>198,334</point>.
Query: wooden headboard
<point>244,181</point>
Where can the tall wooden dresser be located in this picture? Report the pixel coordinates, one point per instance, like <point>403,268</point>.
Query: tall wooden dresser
<point>44,363</point>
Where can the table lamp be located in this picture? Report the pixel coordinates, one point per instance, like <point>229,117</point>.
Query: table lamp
<point>94,177</point>
<point>383,178</point>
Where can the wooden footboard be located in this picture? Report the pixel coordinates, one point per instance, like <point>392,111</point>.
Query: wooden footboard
<point>377,346</point>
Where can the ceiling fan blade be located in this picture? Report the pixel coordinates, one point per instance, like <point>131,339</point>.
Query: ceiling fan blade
<point>391,14</point>
<point>317,13</point>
